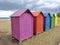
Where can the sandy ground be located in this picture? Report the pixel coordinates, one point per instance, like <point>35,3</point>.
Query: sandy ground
<point>49,37</point>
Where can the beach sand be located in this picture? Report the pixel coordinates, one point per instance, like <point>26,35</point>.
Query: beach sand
<point>49,37</point>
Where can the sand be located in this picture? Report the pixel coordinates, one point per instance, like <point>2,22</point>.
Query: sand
<point>49,37</point>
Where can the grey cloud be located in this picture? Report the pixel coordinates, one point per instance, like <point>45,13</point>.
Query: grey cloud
<point>16,4</point>
<point>13,5</point>
<point>5,5</point>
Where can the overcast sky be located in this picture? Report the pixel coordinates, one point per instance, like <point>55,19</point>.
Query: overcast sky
<point>7,7</point>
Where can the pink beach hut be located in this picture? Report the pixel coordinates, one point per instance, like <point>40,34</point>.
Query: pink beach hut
<point>22,24</point>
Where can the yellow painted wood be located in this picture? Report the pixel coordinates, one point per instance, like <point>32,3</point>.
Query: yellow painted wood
<point>56,20</point>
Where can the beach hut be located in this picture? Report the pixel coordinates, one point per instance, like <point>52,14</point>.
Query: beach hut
<point>38,22</point>
<point>46,21</point>
<point>22,24</point>
<point>51,20</point>
<point>56,20</point>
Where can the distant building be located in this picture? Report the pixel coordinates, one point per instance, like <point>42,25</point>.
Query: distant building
<point>58,14</point>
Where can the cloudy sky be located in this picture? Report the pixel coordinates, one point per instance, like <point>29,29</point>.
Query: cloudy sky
<point>7,7</point>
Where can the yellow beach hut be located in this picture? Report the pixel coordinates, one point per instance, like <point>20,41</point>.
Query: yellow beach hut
<point>56,20</point>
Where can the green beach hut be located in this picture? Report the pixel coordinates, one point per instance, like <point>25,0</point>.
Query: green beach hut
<point>51,20</point>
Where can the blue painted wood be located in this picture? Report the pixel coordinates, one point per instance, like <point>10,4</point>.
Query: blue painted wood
<point>46,21</point>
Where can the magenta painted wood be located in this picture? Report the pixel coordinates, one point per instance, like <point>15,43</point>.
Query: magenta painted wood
<point>22,25</point>
<point>15,28</point>
<point>26,26</point>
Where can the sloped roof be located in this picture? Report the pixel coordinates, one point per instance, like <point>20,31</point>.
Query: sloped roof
<point>19,13</point>
<point>35,13</point>
<point>45,14</point>
<point>51,14</point>
<point>55,14</point>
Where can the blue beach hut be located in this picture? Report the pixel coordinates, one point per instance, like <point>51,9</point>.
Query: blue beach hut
<point>46,21</point>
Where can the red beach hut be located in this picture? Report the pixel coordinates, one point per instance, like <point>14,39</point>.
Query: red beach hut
<point>38,22</point>
<point>22,24</point>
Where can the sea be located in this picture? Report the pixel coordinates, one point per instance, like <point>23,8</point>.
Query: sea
<point>2,19</point>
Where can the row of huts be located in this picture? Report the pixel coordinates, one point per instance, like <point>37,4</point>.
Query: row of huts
<point>25,24</point>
